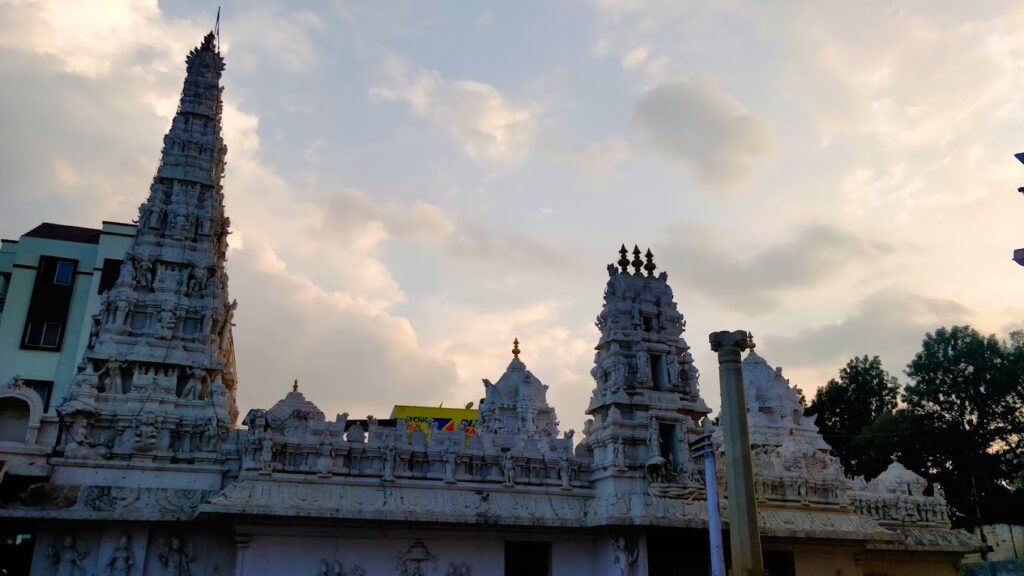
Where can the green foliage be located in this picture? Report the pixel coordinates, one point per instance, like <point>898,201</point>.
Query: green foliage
<point>961,422</point>
<point>966,388</point>
<point>847,407</point>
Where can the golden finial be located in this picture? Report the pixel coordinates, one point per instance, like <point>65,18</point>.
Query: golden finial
<point>295,386</point>
<point>515,348</point>
<point>650,266</point>
<point>637,262</point>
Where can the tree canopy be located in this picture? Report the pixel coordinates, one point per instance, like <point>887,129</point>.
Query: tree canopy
<point>846,407</point>
<point>960,421</point>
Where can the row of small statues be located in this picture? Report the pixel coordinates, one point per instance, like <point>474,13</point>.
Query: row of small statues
<point>903,508</point>
<point>265,453</point>
<point>111,378</point>
<point>68,556</point>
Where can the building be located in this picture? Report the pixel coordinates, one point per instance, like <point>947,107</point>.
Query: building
<point>55,276</point>
<point>143,471</point>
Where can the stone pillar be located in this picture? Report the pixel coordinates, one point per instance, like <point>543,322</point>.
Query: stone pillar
<point>241,544</point>
<point>743,532</point>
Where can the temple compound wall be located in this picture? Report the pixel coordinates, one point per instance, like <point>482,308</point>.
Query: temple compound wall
<point>148,469</point>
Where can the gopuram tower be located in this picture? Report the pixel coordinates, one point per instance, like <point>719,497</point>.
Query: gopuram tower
<point>645,407</point>
<point>157,379</point>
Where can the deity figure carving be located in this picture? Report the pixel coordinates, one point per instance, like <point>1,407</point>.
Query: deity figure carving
<point>229,314</point>
<point>267,454</point>
<point>623,557</point>
<point>212,434</point>
<point>564,468</point>
<point>508,468</point>
<point>389,460</point>
<point>194,387</point>
<point>325,458</point>
<point>146,434</point>
<point>144,272</point>
<point>449,464</point>
<point>112,378</point>
<point>80,446</point>
<point>121,559</point>
<point>67,556</point>
<point>643,366</point>
<point>462,569</point>
<point>86,377</point>
<point>416,560</point>
<point>94,331</point>
<point>126,275</point>
<point>195,282</point>
<point>654,438</point>
<point>175,557</point>
<point>166,320</point>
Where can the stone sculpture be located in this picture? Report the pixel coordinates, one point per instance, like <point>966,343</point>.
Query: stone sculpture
<point>508,468</point>
<point>175,557</point>
<point>121,559</point>
<point>67,556</point>
<point>623,557</point>
<point>112,377</point>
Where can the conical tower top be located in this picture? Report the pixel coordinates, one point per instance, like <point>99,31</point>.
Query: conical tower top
<point>164,329</point>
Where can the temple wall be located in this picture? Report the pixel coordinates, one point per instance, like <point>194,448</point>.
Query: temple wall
<point>909,565</point>
<point>300,550</point>
<point>207,550</point>
<point>826,561</point>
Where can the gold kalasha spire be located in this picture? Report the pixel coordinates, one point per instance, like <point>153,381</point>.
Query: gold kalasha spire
<point>515,348</point>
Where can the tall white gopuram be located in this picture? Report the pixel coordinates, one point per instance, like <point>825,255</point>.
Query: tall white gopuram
<point>158,375</point>
<point>645,407</point>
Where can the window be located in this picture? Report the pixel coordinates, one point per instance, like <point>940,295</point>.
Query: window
<point>42,387</point>
<point>43,334</point>
<point>659,372</point>
<point>65,273</point>
<point>48,308</point>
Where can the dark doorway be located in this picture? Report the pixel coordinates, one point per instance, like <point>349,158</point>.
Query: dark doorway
<point>677,552</point>
<point>527,558</point>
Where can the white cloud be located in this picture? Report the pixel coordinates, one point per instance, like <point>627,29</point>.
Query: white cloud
<point>485,123</point>
<point>634,57</point>
<point>699,124</point>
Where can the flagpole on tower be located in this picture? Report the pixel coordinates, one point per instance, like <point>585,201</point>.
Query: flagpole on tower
<point>216,29</point>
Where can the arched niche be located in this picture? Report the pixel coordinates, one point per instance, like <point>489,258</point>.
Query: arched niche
<point>21,409</point>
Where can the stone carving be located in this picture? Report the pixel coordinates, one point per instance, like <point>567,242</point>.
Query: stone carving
<point>462,569</point>
<point>194,386</point>
<point>121,559</point>
<point>623,556</point>
<point>175,557</point>
<point>166,320</point>
<point>112,376</point>
<point>325,460</point>
<point>450,456</point>
<point>416,560</point>
<point>335,568</point>
<point>146,434</point>
<point>389,460</point>
<point>508,468</point>
<point>67,556</point>
<point>564,470</point>
<point>81,445</point>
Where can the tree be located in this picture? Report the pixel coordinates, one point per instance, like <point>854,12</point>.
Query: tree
<point>966,389</point>
<point>848,406</point>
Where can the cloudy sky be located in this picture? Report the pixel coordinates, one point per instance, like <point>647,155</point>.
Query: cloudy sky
<point>413,184</point>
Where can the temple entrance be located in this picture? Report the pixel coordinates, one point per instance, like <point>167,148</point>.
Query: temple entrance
<point>677,552</point>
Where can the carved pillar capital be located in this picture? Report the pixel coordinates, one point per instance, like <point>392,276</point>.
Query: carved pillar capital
<point>732,343</point>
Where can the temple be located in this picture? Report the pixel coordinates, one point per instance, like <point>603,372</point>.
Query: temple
<point>146,470</point>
